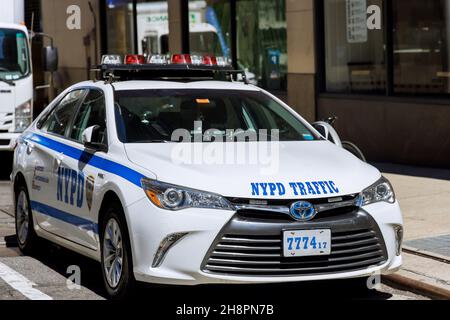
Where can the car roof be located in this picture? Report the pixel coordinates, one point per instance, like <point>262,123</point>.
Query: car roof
<point>217,85</point>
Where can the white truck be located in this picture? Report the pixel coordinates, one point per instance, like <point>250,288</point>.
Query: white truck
<point>16,77</point>
<point>153,29</point>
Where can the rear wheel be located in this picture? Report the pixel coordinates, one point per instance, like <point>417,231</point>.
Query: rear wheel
<point>116,260</point>
<point>26,236</point>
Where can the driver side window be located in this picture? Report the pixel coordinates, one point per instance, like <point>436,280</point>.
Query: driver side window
<point>91,113</point>
<point>59,119</point>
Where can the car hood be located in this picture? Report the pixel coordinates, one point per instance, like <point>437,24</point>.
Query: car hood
<point>326,168</point>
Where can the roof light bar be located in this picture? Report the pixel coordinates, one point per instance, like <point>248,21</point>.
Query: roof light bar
<point>159,59</point>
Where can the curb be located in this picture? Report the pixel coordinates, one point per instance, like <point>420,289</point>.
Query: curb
<point>426,254</point>
<point>417,287</point>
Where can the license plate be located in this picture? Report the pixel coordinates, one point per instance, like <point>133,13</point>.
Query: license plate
<point>301,243</point>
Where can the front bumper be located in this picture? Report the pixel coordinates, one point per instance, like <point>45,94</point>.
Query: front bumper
<point>8,141</point>
<point>188,262</point>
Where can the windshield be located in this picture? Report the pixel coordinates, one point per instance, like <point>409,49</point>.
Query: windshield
<point>14,56</point>
<point>145,116</point>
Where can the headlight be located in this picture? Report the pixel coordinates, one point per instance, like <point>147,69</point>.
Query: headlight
<point>171,197</point>
<point>380,191</point>
<point>23,117</point>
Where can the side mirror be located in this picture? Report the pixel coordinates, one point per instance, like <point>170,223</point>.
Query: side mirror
<point>327,131</point>
<point>50,59</point>
<point>91,139</point>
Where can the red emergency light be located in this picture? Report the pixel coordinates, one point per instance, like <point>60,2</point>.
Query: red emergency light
<point>181,59</point>
<point>134,59</point>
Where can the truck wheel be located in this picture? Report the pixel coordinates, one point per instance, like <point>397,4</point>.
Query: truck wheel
<point>117,267</point>
<point>26,236</point>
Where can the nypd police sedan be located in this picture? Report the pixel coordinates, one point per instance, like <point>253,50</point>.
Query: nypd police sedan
<point>99,173</point>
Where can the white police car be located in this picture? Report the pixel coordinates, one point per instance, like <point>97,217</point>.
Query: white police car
<point>99,172</point>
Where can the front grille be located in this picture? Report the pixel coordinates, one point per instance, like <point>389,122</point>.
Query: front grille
<point>4,142</point>
<point>5,122</point>
<point>253,254</point>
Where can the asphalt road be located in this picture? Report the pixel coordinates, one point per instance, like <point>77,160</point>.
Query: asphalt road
<point>45,275</point>
<point>48,271</point>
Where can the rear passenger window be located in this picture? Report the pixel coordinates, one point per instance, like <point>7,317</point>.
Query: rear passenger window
<point>58,121</point>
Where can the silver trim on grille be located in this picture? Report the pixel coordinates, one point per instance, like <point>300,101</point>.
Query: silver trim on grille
<point>286,210</point>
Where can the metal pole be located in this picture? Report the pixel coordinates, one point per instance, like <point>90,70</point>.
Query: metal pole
<point>51,89</point>
<point>233,23</point>
<point>135,28</point>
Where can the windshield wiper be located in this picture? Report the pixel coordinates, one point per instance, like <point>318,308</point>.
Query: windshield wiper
<point>11,83</point>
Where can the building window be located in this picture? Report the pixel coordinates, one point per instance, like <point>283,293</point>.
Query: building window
<point>120,26</point>
<point>260,40</point>
<point>209,28</point>
<point>354,55</point>
<point>413,60</point>
<point>421,46</point>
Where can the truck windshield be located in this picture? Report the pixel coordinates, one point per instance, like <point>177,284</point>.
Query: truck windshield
<point>14,55</point>
<point>152,116</point>
<point>201,43</point>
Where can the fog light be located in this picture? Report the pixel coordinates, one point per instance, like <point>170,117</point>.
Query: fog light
<point>167,243</point>
<point>398,239</point>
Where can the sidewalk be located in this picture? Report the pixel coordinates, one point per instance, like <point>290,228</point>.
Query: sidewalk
<point>424,196</point>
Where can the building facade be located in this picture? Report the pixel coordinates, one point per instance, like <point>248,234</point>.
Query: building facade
<point>381,66</point>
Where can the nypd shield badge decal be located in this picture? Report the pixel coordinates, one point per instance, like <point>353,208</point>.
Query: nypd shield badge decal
<point>90,181</point>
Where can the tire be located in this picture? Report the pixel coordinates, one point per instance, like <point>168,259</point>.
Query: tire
<point>353,149</point>
<point>115,247</point>
<point>27,239</point>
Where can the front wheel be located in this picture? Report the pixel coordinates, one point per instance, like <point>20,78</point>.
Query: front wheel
<point>353,149</point>
<point>26,236</point>
<point>116,254</point>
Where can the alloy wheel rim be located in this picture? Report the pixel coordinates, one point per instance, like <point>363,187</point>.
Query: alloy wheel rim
<point>22,217</point>
<point>113,253</point>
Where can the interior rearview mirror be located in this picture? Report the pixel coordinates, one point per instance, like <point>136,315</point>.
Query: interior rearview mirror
<point>91,139</point>
<point>50,59</point>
